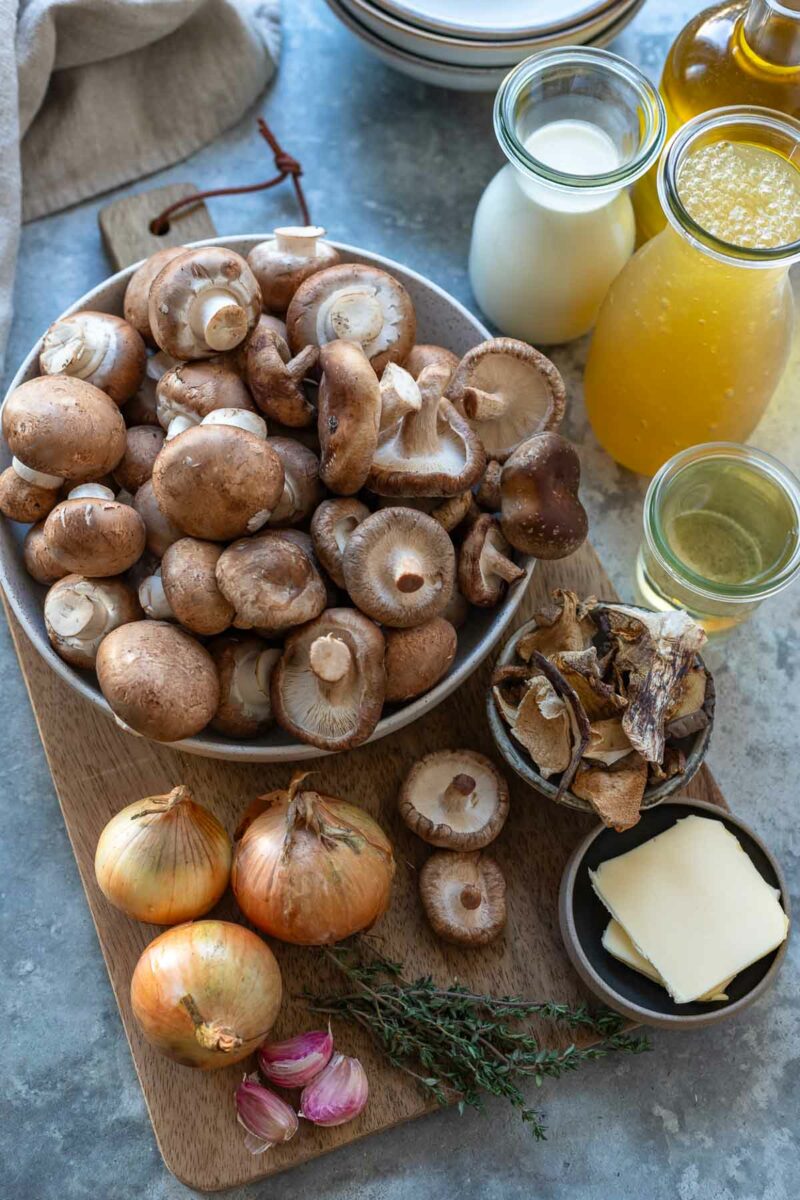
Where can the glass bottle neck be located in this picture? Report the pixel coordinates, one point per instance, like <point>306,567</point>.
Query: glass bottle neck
<point>772,31</point>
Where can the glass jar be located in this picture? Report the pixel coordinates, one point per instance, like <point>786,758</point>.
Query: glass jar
<point>695,333</point>
<point>721,533</point>
<point>555,226</point>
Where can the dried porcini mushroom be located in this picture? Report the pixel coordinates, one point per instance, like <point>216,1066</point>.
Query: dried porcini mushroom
<point>564,626</point>
<point>98,347</point>
<point>687,714</point>
<point>540,723</point>
<point>203,302</point>
<point>485,566</point>
<point>282,262</point>
<point>349,409</point>
<point>464,897</point>
<point>616,792</point>
<point>275,378</point>
<point>455,799</point>
<point>331,525</point>
<point>541,513</point>
<point>509,391</point>
<point>581,669</point>
<point>608,742</point>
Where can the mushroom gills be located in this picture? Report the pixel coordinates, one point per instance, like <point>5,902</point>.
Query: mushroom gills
<point>250,683</point>
<point>355,314</point>
<point>153,598</point>
<point>78,613</point>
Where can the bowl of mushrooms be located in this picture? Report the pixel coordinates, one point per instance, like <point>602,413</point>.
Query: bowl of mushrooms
<point>253,491</point>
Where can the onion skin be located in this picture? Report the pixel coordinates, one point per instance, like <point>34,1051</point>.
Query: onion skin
<point>164,859</point>
<point>311,869</point>
<point>206,993</point>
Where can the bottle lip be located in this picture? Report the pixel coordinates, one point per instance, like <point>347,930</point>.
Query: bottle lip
<point>652,117</point>
<point>741,593</point>
<point>748,120</point>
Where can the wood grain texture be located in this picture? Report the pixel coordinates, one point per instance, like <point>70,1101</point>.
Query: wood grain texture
<point>125,224</point>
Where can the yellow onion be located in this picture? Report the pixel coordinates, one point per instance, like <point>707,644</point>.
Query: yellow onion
<point>309,868</point>
<point>206,993</point>
<point>164,859</point>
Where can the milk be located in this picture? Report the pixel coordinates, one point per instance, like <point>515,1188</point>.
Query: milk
<point>542,257</point>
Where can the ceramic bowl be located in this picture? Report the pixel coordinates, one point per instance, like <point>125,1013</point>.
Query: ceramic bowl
<point>583,918</point>
<point>499,21</point>
<point>694,747</point>
<point>440,319</point>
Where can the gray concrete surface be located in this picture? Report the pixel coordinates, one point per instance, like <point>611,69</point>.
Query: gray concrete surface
<point>398,167</point>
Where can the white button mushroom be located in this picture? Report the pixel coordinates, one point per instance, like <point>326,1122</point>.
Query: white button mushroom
<point>282,262</point>
<point>79,612</point>
<point>202,302</point>
<point>98,347</point>
<point>90,533</point>
<point>271,583</point>
<point>349,405</point>
<point>245,665</point>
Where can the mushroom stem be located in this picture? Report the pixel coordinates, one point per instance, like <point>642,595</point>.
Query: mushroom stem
<point>298,367</point>
<point>407,573</point>
<point>218,319</point>
<point>73,612</point>
<point>355,315</point>
<point>300,240</point>
<point>240,418</point>
<point>400,394</point>
<point>495,563</point>
<point>179,424</point>
<point>330,658</point>
<point>37,478</point>
<point>419,431</point>
<point>153,599</point>
<point>91,491</point>
<point>471,896</point>
<point>483,406</point>
<point>459,794</point>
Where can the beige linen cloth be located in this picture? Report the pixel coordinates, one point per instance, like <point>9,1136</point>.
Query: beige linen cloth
<point>95,93</point>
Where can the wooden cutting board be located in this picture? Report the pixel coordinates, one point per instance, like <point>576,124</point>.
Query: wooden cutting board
<point>97,769</point>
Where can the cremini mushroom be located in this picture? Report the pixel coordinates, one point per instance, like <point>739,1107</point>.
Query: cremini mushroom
<point>487,494</point>
<point>142,444</point>
<point>455,799</point>
<point>331,525</point>
<point>485,565</point>
<point>91,534</point>
<point>135,303</point>
<point>220,479</point>
<point>417,658</point>
<point>23,501</point>
<point>431,451</point>
<point>185,589</point>
<point>99,348</point>
<point>457,610</point>
<point>464,897</point>
<point>400,394</point>
<point>58,427</point>
<point>358,304</point>
<point>188,392</point>
<point>39,562</point>
<point>281,263</point>
<point>158,680</point>
<point>245,664</point>
<point>271,583</point>
<point>541,513</point>
<point>426,355</point>
<point>141,409</point>
<point>328,686</point>
<point>399,567</point>
<point>349,406</point>
<point>302,490</point>
<point>449,511</point>
<point>203,302</point>
<point>160,532</point>
<point>301,539</point>
<point>79,612</point>
<point>276,379</point>
<point>509,391</point>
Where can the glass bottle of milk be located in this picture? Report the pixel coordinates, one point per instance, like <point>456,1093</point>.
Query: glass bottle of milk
<point>556,225</point>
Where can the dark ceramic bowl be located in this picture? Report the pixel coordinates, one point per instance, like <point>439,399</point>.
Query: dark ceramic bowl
<point>694,747</point>
<point>583,918</point>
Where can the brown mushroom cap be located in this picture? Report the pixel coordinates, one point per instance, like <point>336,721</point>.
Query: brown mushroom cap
<point>276,379</point>
<point>80,612</point>
<point>541,512</point>
<point>302,490</point>
<point>23,501</point>
<point>245,665</point>
<point>328,686</point>
<point>142,444</point>
<point>331,526</point>
<point>509,391</point>
<point>349,409</point>
<point>426,355</point>
<point>457,610</point>
<point>358,304</point>
<point>99,348</point>
<point>64,426</point>
<point>141,408</point>
<point>417,658</point>
<point>299,537</point>
<point>203,302</point>
<point>188,392</point>
<point>485,565</point>
<point>39,562</point>
<point>464,897</point>
<point>188,576</point>
<point>217,481</point>
<point>448,511</point>
<point>399,567</point>
<point>158,680</point>
<point>488,491</point>
<point>271,583</point>
<point>455,799</point>
<point>431,451</point>
<point>160,532</point>
<point>281,263</point>
<point>135,304</point>
<point>94,535</point>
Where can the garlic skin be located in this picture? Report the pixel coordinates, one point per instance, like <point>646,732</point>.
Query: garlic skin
<point>296,1061</point>
<point>337,1095</point>
<point>266,1118</point>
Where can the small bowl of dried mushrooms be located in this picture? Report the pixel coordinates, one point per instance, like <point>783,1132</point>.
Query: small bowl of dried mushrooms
<point>606,708</point>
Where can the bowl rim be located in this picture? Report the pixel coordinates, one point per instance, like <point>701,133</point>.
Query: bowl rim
<point>482,33</point>
<point>209,744</point>
<point>628,1008</point>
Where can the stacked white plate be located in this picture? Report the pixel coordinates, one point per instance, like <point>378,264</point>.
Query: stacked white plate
<point>472,44</point>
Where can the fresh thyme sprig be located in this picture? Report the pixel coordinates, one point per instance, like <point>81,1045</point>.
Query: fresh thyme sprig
<point>457,1044</point>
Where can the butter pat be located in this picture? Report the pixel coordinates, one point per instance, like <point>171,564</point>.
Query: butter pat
<point>693,905</point>
<point>620,946</point>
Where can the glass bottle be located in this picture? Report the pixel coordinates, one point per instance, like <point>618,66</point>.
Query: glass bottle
<point>745,52</point>
<point>695,333</point>
<point>555,226</point>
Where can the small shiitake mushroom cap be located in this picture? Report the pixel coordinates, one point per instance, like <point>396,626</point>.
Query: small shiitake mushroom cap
<point>399,567</point>
<point>455,799</point>
<point>348,416</point>
<point>203,302</point>
<point>39,562</point>
<point>541,512</point>
<point>464,897</point>
<point>302,490</point>
<point>485,565</point>
<point>94,536</point>
<point>188,576</point>
<point>276,379</point>
<point>245,665</point>
<point>80,612</point>
<point>158,680</point>
<point>299,537</point>
<point>271,583</point>
<point>160,532</point>
<point>331,526</point>
<point>64,426</point>
<point>281,263</point>
<point>417,658</point>
<point>426,355</point>
<point>23,501</point>
<point>142,444</point>
<point>99,348</point>
<point>192,390</point>
<point>135,304</point>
